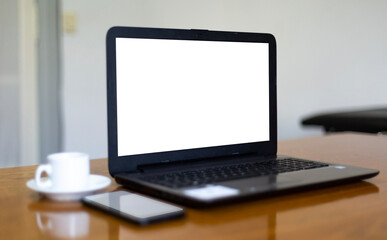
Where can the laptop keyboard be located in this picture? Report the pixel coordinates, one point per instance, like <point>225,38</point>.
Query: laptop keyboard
<point>230,172</point>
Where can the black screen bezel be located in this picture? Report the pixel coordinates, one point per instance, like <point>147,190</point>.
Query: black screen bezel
<point>119,164</point>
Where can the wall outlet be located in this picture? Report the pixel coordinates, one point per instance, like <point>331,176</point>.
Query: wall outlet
<point>70,24</point>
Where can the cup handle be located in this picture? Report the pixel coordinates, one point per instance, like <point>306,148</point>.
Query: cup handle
<point>42,226</point>
<point>38,180</point>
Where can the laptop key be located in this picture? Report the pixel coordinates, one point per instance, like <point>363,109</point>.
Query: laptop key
<point>232,172</point>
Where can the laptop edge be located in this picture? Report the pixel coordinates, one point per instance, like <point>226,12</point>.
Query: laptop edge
<point>125,169</point>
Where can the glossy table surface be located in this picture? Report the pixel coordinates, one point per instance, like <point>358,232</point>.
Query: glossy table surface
<point>351,211</point>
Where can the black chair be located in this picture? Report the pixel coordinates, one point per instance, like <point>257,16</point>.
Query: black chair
<point>368,121</point>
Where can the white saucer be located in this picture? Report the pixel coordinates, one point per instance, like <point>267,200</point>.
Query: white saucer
<point>96,182</point>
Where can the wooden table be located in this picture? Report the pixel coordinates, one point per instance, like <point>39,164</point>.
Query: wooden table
<point>352,211</point>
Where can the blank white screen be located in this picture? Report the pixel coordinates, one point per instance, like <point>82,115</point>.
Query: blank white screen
<point>179,94</point>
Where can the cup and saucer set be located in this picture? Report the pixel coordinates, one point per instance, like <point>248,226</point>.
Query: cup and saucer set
<point>68,177</point>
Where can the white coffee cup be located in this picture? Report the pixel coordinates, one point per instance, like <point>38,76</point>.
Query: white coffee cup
<point>67,171</point>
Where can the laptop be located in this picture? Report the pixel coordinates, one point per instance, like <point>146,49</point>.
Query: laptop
<point>192,118</point>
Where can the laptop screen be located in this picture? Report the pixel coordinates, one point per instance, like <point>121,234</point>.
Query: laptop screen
<point>184,94</point>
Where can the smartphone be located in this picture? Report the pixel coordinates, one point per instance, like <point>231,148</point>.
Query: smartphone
<point>134,207</point>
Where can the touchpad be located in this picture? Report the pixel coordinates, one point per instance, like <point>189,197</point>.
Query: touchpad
<point>259,184</point>
<point>287,180</point>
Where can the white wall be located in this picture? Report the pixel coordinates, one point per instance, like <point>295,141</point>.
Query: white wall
<point>19,141</point>
<point>9,84</point>
<point>331,55</point>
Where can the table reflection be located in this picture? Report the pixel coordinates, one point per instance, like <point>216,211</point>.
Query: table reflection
<point>257,219</point>
<point>73,224</point>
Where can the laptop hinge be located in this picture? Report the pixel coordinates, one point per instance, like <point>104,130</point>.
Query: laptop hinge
<point>166,166</point>
<point>198,163</point>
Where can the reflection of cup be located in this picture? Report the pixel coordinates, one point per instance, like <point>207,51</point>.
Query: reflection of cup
<point>66,172</point>
<point>64,224</point>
